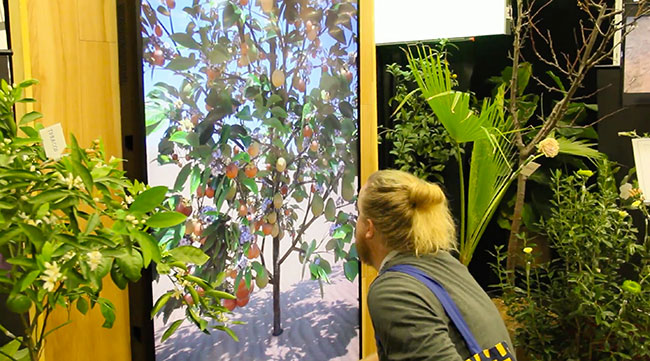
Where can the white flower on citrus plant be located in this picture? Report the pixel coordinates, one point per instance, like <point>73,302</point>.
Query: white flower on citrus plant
<point>52,275</point>
<point>128,199</point>
<point>94,259</point>
<point>625,190</point>
<point>68,256</point>
<point>549,147</point>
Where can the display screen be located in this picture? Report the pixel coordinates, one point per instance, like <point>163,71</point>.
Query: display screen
<point>417,20</point>
<point>251,111</point>
<point>637,53</point>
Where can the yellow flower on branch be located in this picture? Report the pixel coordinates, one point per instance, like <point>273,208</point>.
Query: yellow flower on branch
<point>528,250</point>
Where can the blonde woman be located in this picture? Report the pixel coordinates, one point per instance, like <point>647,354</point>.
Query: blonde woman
<point>404,220</point>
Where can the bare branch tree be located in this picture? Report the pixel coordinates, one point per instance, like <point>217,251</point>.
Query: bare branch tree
<point>596,39</point>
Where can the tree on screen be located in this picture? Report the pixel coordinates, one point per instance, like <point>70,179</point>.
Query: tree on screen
<point>256,103</point>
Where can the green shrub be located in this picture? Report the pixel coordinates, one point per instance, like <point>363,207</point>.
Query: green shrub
<point>591,301</point>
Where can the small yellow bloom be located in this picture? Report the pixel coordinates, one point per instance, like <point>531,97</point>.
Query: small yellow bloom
<point>549,147</point>
<point>623,214</point>
<point>636,204</point>
<point>528,250</point>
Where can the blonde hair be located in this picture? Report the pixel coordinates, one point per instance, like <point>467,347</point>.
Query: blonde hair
<point>411,213</point>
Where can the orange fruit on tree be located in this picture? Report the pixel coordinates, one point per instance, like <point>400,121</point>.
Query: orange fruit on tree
<point>313,146</point>
<point>209,192</point>
<point>243,210</point>
<point>312,34</point>
<point>158,57</point>
<point>158,30</point>
<point>231,170</point>
<point>171,4</point>
<point>267,228</point>
<point>251,170</point>
<point>188,299</point>
<point>212,74</point>
<point>277,78</point>
<point>232,274</point>
<point>253,251</point>
<point>241,302</point>
<point>230,304</point>
<point>243,2</point>
<point>254,149</point>
<point>307,131</point>
<point>267,5</point>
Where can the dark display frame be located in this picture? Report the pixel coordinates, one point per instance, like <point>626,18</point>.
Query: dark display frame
<point>133,136</point>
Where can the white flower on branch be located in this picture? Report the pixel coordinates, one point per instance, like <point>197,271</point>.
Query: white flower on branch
<point>549,147</point>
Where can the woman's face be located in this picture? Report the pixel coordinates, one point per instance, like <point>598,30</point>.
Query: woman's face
<point>363,231</point>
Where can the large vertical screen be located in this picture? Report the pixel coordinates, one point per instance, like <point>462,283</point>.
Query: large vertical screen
<point>251,111</point>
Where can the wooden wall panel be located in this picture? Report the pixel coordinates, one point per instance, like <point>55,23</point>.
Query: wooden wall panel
<point>369,156</point>
<point>70,47</point>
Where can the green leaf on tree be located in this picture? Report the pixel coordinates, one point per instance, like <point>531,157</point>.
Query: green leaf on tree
<point>182,177</point>
<point>250,184</point>
<point>186,40</point>
<point>179,137</point>
<point>351,269</point>
<point>170,331</point>
<point>149,246</point>
<point>189,254</point>
<point>165,219</point>
<point>30,117</point>
<point>108,311</point>
<point>148,200</point>
<point>181,63</point>
<point>82,305</point>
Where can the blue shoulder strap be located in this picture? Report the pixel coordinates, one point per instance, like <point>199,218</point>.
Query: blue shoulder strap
<point>447,303</point>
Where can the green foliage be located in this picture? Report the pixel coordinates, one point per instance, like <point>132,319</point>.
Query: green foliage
<point>66,225</point>
<point>420,144</point>
<point>591,301</point>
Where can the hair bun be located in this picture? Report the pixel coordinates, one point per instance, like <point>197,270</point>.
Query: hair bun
<point>424,195</point>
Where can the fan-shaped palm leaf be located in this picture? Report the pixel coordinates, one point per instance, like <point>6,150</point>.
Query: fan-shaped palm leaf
<point>493,154</point>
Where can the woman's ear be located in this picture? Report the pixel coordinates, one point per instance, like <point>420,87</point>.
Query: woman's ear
<point>370,228</point>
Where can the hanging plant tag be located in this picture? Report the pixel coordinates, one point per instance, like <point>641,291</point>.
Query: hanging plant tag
<point>641,148</point>
<point>53,141</point>
<point>529,169</point>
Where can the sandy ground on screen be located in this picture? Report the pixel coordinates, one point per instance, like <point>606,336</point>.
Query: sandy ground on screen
<point>637,58</point>
<point>315,328</point>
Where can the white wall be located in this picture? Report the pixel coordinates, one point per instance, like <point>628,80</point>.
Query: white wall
<point>399,21</point>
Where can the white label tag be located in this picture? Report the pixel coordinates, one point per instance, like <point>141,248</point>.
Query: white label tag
<point>529,169</point>
<point>641,148</point>
<point>53,141</point>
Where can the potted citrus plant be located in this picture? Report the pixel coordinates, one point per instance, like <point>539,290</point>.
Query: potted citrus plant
<point>68,225</point>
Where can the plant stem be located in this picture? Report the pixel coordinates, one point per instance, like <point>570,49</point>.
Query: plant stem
<point>463,214</point>
<point>277,328</point>
<point>516,219</point>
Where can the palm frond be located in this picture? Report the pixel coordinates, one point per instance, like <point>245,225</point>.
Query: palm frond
<point>452,107</point>
<point>580,148</point>
<point>490,175</point>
